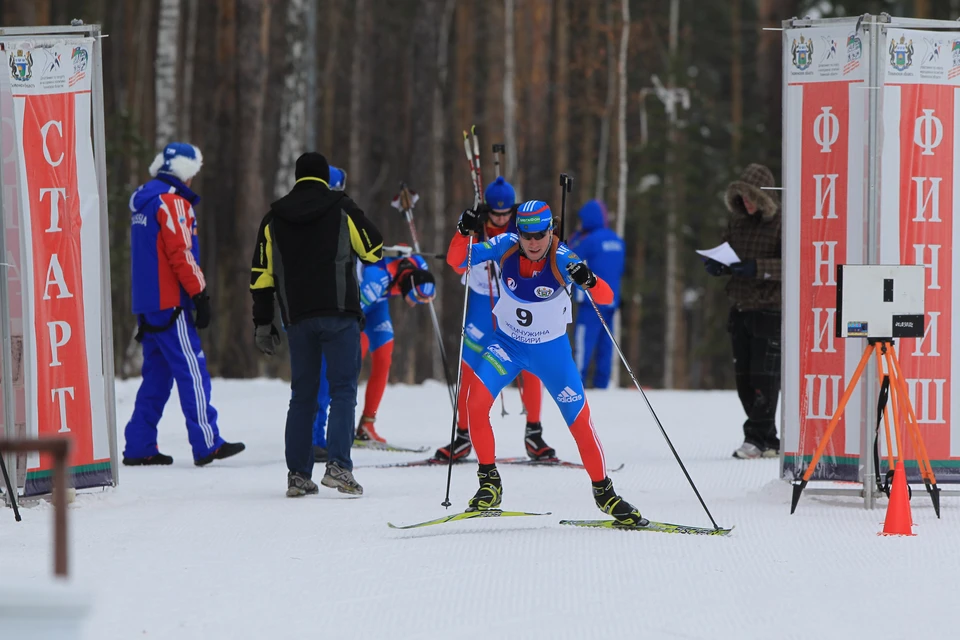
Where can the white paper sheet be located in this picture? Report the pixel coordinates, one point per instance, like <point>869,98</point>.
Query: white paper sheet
<point>723,254</point>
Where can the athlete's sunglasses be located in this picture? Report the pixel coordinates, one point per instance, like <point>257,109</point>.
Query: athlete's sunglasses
<point>534,235</point>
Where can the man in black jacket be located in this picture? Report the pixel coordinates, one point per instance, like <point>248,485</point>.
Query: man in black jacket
<point>306,254</point>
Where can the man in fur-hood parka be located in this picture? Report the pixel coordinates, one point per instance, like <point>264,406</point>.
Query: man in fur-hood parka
<point>754,233</point>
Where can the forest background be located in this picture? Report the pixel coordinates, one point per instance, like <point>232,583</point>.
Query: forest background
<point>653,106</point>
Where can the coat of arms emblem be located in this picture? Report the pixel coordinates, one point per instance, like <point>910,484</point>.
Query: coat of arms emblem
<point>901,54</point>
<point>21,65</point>
<point>802,53</point>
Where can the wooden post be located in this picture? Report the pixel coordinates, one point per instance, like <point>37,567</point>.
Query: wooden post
<point>59,448</point>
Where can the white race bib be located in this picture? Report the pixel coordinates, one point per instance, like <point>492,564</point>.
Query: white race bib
<point>534,322</point>
<point>483,279</point>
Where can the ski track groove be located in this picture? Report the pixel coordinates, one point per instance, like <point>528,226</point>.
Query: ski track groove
<point>183,552</point>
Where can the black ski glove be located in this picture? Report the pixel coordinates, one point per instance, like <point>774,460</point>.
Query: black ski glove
<point>581,274</point>
<point>715,268</point>
<point>267,338</point>
<point>745,269</point>
<point>470,221</point>
<point>202,303</point>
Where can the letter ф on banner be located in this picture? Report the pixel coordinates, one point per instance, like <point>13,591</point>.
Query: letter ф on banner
<point>917,205</point>
<point>822,218</point>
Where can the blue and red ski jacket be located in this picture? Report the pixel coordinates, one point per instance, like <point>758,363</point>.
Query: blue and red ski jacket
<point>164,251</point>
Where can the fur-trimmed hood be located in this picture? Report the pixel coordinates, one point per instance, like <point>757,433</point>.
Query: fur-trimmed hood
<point>750,185</point>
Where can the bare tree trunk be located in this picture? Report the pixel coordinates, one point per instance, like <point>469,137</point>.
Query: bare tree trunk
<point>673,335</point>
<point>184,123</point>
<point>586,51</point>
<point>165,63</point>
<point>736,81</point>
<point>534,168</point>
<point>252,38</point>
<point>333,13</point>
<point>359,67</point>
<point>624,90</point>
<point>294,99</point>
<point>509,95</point>
<point>439,142</point>
<point>604,152</point>
<point>561,90</point>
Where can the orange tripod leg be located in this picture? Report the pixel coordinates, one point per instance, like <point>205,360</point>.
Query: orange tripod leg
<point>923,459</point>
<point>834,421</point>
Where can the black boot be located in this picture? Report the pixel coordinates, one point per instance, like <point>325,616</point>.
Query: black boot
<point>225,450</point>
<point>461,447</point>
<point>610,503</point>
<point>156,459</point>
<point>489,494</point>
<point>319,454</point>
<point>537,449</point>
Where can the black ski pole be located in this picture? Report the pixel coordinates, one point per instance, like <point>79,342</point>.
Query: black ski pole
<point>463,330</point>
<point>566,184</point>
<point>406,204</point>
<point>498,148</point>
<point>650,407</point>
<point>10,492</point>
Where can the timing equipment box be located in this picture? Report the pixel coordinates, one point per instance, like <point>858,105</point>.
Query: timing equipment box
<point>880,301</point>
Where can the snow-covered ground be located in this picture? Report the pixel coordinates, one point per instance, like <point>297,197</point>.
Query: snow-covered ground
<point>219,552</point>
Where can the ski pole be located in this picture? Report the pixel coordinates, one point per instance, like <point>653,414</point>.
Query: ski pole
<point>10,491</point>
<point>407,201</point>
<point>473,170</point>
<point>650,407</point>
<point>566,184</point>
<point>498,148</point>
<point>463,331</point>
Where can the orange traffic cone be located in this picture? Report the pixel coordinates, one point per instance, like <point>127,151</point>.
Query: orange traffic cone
<point>899,521</point>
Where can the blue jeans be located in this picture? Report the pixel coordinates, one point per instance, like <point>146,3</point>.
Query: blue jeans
<point>336,339</point>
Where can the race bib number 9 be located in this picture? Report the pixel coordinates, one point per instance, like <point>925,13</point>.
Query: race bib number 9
<point>533,322</point>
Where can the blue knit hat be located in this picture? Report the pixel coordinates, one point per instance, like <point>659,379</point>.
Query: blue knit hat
<point>533,216</point>
<point>178,159</point>
<point>338,179</point>
<point>500,194</point>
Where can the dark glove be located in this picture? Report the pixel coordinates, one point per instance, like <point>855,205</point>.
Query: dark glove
<point>745,269</point>
<point>715,268</point>
<point>267,338</point>
<point>581,274</point>
<point>470,221</point>
<point>202,303</point>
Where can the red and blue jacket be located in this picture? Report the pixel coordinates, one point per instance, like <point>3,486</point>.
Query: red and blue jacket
<point>164,252</point>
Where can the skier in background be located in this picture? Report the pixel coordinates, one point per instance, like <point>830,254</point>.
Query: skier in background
<point>497,218</point>
<point>603,250</point>
<point>402,276</point>
<point>533,313</point>
<point>168,286</point>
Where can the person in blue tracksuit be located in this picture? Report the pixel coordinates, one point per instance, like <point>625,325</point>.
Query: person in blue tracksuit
<point>338,182</point>
<point>168,286</point>
<point>602,249</point>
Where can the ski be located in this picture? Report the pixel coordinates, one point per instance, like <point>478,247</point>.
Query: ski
<point>385,446</point>
<point>433,462</point>
<point>551,462</point>
<point>660,527</point>
<point>467,515</point>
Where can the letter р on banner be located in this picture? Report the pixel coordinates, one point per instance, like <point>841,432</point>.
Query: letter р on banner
<point>921,104</point>
<point>61,277</point>
<point>825,109</point>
